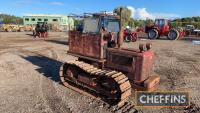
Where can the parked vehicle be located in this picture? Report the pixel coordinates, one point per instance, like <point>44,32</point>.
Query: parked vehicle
<point>41,30</point>
<point>191,30</point>
<point>161,28</point>
<point>110,72</point>
<point>130,36</point>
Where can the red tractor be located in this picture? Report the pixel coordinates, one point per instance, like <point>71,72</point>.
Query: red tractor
<point>161,28</point>
<point>110,72</point>
<point>41,30</point>
<point>130,36</point>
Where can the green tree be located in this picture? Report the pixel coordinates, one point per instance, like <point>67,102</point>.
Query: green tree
<point>8,19</point>
<point>182,22</point>
<point>131,22</point>
<point>149,22</point>
<point>140,23</point>
<point>126,15</point>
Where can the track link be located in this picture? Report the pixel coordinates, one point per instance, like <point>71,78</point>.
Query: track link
<point>123,85</point>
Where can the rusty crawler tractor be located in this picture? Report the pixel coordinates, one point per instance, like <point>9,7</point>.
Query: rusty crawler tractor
<point>103,67</point>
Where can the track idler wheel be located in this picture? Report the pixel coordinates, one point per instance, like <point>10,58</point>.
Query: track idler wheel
<point>71,73</point>
<point>63,72</point>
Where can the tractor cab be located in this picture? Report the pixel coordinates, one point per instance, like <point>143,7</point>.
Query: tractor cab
<point>161,22</point>
<point>103,23</point>
<point>98,23</point>
<point>162,25</point>
<point>97,32</point>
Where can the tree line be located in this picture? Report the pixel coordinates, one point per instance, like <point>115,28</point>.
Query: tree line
<point>182,22</point>
<point>10,19</point>
<point>127,20</point>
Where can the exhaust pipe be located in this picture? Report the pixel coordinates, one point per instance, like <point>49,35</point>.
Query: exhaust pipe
<point>120,37</point>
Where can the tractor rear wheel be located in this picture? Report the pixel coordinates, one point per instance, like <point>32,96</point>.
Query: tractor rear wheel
<point>128,38</point>
<point>134,37</point>
<point>153,34</point>
<point>173,34</point>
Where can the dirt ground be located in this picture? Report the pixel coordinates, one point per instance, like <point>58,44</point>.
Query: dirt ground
<point>29,68</point>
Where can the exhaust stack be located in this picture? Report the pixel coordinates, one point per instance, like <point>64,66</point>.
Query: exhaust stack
<point>120,38</point>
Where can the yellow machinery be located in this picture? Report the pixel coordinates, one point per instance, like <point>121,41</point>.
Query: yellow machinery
<point>15,28</point>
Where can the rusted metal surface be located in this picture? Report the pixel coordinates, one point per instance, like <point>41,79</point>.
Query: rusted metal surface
<point>86,45</point>
<point>118,69</point>
<point>151,82</point>
<point>136,64</point>
<point>86,57</point>
<point>120,38</point>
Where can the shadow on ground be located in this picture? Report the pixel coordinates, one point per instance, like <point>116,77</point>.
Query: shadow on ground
<point>50,69</point>
<point>64,42</point>
<point>46,66</point>
<point>30,34</point>
<point>190,39</point>
<point>160,38</point>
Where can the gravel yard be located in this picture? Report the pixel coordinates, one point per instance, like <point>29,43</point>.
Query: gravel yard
<point>29,74</point>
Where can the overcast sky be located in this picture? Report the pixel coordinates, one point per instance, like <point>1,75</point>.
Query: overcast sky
<point>141,9</point>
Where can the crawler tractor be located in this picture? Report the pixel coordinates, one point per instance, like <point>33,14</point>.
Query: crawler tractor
<point>161,28</point>
<point>103,67</point>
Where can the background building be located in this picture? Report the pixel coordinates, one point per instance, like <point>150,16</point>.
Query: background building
<point>1,21</point>
<point>55,21</point>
